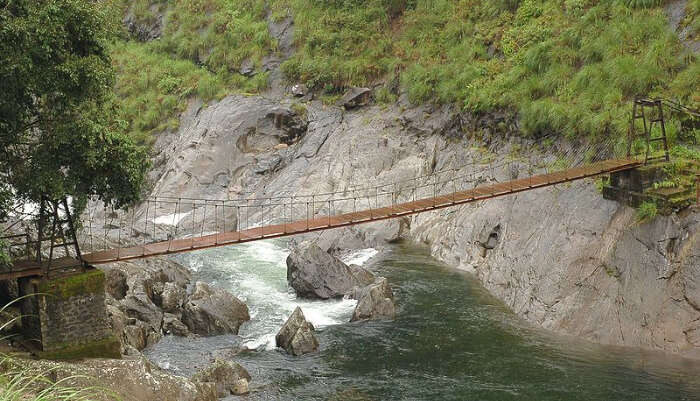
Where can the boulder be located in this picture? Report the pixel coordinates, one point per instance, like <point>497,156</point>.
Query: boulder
<point>375,301</point>
<point>297,335</point>
<point>299,90</point>
<point>228,377</point>
<point>115,283</point>
<point>362,276</point>
<point>135,336</point>
<point>173,325</point>
<point>355,97</point>
<point>211,311</point>
<point>173,297</point>
<point>314,273</point>
<point>140,307</point>
<point>247,68</point>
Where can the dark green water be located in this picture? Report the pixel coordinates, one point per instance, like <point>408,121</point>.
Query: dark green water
<point>451,340</point>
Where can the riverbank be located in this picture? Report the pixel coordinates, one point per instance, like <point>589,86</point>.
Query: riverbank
<point>451,340</point>
<point>563,258</point>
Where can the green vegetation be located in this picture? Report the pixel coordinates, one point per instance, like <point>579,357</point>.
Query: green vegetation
<point>20,382</point>
<point>152,89</point>
<point>692,18</point>
<point>340,43</point>
<point>90,282</point>
<point>59,134</point>
<point>105,348</point>
<point>566,66</point>
<point>647,211</point>
<point>200,52</point>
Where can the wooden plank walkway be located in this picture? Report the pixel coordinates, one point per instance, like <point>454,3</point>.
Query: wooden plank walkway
<point>365,216</point>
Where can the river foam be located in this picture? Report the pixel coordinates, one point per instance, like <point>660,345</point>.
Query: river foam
<point>256,272</point>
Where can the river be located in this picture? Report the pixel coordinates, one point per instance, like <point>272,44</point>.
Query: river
<point>451,340</point>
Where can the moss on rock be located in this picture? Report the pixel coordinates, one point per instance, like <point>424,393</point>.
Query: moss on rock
<point>104,348</point>
<point>90,282</point>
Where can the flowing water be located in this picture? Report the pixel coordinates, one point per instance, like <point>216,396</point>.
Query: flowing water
<point>451,340</point>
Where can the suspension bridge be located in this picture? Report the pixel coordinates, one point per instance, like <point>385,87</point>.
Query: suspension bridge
<point>169,225</point>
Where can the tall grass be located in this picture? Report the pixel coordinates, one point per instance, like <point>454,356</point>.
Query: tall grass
<point>219,34</point>
<point>19,381</point>
<point>565,66</point>
<point>201,49</point>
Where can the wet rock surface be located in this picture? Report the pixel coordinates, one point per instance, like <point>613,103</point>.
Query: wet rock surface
<point>374,301</point>
<point>314,273</point>
<point>211,311</point>
<point>228,377</point>
<point>297,335</point>
<point>562,257</point>
<point>153,301</point>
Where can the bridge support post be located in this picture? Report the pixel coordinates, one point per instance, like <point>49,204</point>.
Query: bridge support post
<point>66,317</point>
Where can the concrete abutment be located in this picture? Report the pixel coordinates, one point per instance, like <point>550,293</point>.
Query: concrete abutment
<point>66,317</point>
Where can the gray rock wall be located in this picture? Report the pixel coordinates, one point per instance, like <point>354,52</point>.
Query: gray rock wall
<point>563,258</point>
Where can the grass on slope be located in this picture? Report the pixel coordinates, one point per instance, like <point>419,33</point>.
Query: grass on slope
<point>20,382</point>
<point>567,66</point>
<point>201,49</point>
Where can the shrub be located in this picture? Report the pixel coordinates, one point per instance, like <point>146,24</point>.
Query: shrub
<point>647,211</point>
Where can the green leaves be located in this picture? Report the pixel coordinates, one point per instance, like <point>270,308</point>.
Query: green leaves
<point>58,129</point>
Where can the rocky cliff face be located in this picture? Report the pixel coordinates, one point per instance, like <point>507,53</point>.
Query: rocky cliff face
<point>563,257</point>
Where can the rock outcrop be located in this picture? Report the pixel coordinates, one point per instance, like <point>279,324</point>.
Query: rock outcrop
<point>297,335</point>
<point>148,299</point>
<point>314,273</point>
<point>145,29</point>
<point>211,311</point>
<point>562,257</point>
<point>374,301</point>
<point>227,377</point>
<point>115,283</point>
<point>355,97</point>
<point>130,379</point>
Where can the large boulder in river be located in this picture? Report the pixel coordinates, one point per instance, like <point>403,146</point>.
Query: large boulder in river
<point>211,311</point>
<point>228,377</point>
<point>314,273</point>
<point>297,335</point>
<point>375,301</point>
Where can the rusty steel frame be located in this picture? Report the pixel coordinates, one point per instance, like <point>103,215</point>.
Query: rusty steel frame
<point>656,105</point>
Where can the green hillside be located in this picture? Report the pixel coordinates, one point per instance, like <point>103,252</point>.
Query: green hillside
<point>566,66</point>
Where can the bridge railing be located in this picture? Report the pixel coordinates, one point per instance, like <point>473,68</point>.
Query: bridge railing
<point>168,219</point>
<point>173,219</point>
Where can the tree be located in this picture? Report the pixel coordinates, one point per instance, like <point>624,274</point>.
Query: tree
<point>59,135</point>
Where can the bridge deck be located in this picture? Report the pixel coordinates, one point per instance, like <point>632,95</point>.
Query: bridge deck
<point>31,268</point>
<point>365,216</point>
